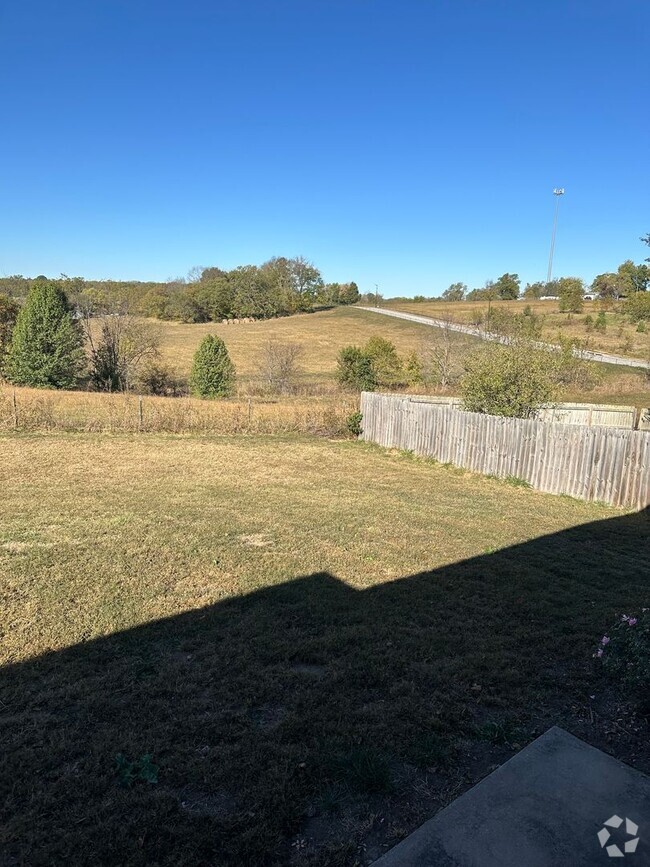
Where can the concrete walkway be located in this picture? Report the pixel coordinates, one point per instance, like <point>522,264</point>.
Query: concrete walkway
<point>546,807</point>
<point>587,354</point>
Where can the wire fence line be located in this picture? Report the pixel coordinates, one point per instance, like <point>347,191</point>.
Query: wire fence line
<point>474,331</point>
<point>605,464</point>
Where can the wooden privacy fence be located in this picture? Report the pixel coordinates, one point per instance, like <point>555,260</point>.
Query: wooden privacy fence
<point>604,414</point>
<point>610,465</point>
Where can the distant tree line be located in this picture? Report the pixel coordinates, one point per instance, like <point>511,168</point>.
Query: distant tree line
<point>627,281</point>
<point>279,287</point>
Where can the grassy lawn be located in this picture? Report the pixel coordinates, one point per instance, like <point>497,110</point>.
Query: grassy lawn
<point>319,643</point>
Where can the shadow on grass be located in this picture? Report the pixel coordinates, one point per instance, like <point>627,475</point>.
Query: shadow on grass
<point>265,708</point>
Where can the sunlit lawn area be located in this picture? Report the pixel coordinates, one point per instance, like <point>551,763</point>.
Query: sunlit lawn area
<point>318,643</point>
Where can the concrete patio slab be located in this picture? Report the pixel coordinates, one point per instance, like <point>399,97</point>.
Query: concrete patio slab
<point>545,807</point>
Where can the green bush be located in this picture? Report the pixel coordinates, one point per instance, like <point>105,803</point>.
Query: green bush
<point>213,373</point>
<point>637,306</point>
<point>601,322</point>
<point>46,349</point>
<point>515,380</point>
<point>353,424</point>
<point>355,369</point>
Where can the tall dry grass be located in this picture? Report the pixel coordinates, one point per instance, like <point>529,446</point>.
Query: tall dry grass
<point>27,410</point>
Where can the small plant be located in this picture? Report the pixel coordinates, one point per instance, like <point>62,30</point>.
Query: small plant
<point>141,770</point>
<point>353,424</point>
<point>516,482</point>
<point>365,770</point>
<point>601,322</point>
<point>641,327</point>
<point>625,655</point>
<point>501,732</point>
<point>589,322</point>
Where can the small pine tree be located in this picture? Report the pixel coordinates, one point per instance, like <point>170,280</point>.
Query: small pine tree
<point>213,373</point>
<point>46,348</point>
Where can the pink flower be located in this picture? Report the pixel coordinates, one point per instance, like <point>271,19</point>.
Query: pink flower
<point>599,652</point>
<point>632,621</point>
<point>605,640</point>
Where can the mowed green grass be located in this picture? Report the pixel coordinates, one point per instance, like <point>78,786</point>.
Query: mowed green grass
<point>318,642</point>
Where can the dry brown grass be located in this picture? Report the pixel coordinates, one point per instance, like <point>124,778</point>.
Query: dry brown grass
<point>620,337</point>
<point>40,410</point>
<point>231,607</point>
<point>321,334</point>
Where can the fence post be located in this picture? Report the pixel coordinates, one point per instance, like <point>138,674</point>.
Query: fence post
<point>250,414</point>
<point>15,406</point>
<point>140,413</point>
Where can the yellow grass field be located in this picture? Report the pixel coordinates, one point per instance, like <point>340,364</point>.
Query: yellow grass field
<point>322,335</point>
<point>620,336</point>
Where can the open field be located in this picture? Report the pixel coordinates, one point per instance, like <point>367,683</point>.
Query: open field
<point>620,336</point>
<point>318,643</point>
<point>323,334</point>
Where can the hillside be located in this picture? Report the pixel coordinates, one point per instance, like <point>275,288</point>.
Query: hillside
<point>620,335</point>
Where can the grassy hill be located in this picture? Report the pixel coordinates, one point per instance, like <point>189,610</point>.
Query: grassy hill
<point>322,335</point>
<point>620,335</point>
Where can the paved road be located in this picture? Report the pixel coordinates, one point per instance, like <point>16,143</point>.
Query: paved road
<point>590,355</point>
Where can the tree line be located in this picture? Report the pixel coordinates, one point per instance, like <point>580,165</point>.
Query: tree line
<point>628,280</point>
<point>279,287</point>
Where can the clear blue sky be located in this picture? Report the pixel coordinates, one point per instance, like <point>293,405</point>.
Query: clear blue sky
<point>409,144</point>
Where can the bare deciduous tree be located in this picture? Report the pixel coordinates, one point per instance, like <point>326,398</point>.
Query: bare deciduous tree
<point>119,346</point>
<point>278,366</point>
<point>440,357</point>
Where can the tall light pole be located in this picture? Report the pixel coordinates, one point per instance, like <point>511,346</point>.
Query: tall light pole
<point>557,192</point>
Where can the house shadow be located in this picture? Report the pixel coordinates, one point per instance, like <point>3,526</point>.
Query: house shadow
<point>270,708</point>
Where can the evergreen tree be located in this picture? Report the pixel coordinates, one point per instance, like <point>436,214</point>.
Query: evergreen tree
<point>46,348</point>
<point>213,373</point>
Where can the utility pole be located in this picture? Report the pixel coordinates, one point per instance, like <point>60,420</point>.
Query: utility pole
<point>376,295</point>
<point>557,192</point>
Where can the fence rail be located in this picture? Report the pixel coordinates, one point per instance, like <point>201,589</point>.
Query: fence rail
<point>606,464</point>
<point>603,414</point>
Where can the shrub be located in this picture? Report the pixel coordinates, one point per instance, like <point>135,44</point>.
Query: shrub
<point>514,380</point>
<point>637,306</point>
<point>625,654</point>
<point>353,424</point>
<point>160,379</point>
<point>278,366</point>
<point>601,322</point>
<point>355,369</point>
<point>386,363</point>
<point>46,348</point>
<point>571,291</point>
<point>641,327</point>
<point>213,373</point>
<point>125,345</point>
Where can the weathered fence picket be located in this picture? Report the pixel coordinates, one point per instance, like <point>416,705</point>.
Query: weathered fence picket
<point>607,464</point>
